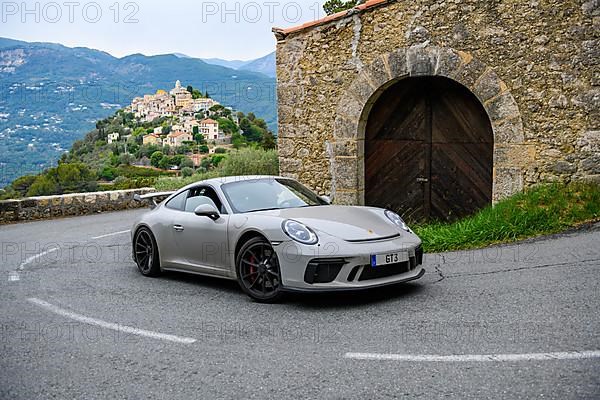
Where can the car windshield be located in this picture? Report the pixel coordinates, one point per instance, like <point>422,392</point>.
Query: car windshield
<point>269,194</point>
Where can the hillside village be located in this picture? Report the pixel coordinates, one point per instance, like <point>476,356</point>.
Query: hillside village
<point>181,132</point>
<point>187,112</point>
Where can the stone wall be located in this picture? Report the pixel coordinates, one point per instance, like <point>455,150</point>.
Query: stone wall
<point>534,65</point>
<point>45,207</point>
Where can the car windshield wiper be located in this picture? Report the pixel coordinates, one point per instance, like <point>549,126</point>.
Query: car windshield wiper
<point>265,209</point>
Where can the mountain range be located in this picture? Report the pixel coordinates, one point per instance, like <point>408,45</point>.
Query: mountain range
<point>51,95</point>
<point>264,65</point>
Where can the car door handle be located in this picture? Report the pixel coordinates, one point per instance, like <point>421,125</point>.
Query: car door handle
<point>178,228</point>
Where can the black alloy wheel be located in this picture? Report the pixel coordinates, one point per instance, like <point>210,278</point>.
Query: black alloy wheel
<point>258,271</point>
<point>146,252</point>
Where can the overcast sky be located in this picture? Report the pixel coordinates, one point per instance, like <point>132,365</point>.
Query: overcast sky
<point>224,29</point>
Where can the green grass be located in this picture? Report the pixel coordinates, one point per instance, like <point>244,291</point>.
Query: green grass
<point>541,210</point>
<point>241,162</point>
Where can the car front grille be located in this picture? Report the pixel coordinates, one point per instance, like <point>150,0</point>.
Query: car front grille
<point>384,271</point>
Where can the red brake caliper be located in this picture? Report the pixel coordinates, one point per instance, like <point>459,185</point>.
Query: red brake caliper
<point>252,268</point>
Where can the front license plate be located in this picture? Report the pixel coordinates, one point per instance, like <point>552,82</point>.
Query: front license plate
<point>389,258</point>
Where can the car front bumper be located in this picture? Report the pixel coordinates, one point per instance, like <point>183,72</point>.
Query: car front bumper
<point>347,266</point>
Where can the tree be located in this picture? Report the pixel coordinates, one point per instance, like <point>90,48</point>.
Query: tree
<point>251,116</point>
<point>207,95</point>
<point>165,162</point>
<point>245,124</point>
<point>268,141</point>
<point>237,140</point>
<point>21,185</point>
<point>190,89</point>
<point>195,130</point>
<point>260,123</point>
<point>42,186</point>
<point>139,131</point>
<point>204,149</point>
<point>254,134</point>
<point>155,158</point>
<point>334,6</point>
<point>126,159</point>
<point>227,126</point>
<point>199,138</point>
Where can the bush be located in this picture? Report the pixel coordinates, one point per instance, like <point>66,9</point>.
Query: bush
<point>244,162</point>
<point>108,173</point>
<point>187,171</point>
<point>186,162</point>
<point>220,150</point>
<point>250,162</point>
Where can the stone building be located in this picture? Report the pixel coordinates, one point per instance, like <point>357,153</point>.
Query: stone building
<point>437,108</point>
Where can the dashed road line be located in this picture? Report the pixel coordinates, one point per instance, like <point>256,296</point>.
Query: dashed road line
<point>111,234</point>
<point>13,276</point>
<point>35,257</point>
<point>561,355</point>
<point>110,325</point>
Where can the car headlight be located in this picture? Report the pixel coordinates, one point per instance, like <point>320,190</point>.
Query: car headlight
<point>395,218</point>
<point>299,232</point>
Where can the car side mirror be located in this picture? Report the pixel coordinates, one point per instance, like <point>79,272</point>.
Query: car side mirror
<point>207,210</point>
<point>326,199</point>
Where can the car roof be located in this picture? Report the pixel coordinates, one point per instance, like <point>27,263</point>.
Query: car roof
<point>229,179</point>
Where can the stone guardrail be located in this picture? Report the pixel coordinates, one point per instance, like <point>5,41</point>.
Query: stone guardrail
<point>46,207</point>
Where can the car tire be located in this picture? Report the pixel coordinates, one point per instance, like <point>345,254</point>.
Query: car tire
<point>258,272</point>
<point>145,252</point>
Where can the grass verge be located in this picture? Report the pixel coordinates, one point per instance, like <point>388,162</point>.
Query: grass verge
<point>541,210</point>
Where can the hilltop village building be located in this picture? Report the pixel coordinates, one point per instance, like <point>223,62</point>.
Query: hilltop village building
<point>178,102</point>
<point>436,109</point>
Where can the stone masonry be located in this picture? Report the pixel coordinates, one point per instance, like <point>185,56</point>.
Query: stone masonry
<point>46,207</point>
<point>534,65</point>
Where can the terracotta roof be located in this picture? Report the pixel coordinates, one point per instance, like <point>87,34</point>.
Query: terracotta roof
<point>209,121</point>
<point>282,33</point>
<point>177,134</point>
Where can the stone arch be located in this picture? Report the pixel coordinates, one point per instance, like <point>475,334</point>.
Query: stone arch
<point>346,152</point>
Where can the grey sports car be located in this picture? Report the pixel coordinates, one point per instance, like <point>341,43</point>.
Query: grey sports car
<point>274,235</point>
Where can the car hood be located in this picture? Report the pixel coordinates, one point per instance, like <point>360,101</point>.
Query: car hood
<point>345,222</point>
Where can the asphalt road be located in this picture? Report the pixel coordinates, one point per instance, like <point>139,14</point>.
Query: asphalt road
<point>79,322</point>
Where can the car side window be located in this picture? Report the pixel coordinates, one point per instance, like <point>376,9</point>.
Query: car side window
<point>178,202</point>
<point>204,195</point>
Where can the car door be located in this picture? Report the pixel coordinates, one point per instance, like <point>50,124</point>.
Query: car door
<point>200,240</point>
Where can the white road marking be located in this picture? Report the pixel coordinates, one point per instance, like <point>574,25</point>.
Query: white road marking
<point>33,258</point>
<point>111,234</point>
<point>561,355</point>
<point>110,325</point>
<point>13,276</point>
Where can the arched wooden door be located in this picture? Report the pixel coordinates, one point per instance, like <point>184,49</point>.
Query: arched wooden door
<point>428,150</point>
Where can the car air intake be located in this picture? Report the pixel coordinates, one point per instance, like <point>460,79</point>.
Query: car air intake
<point>323,270</point>
<point>384,271</point>
<point>419,255</point>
